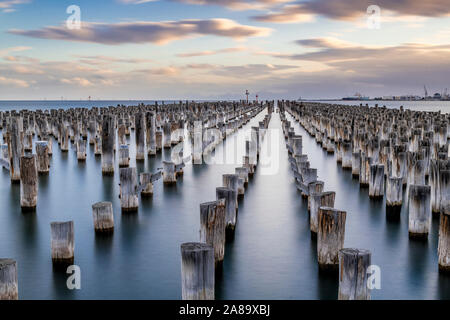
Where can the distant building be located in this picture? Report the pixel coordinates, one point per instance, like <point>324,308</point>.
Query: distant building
<point>437,96</point>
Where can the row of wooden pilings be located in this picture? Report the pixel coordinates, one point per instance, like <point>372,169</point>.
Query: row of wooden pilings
<point>218,221</point>
<point>227,117</point>
<point>390,150</point>
<point>327,224</point>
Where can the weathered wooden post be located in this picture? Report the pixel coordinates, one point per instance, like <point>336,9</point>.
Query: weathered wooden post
<point>62,242</point>
<point>9,289</point>
<point>167,135</point>
<point>230,204</point>
<point>14,149</point>
<point>419,211</point>
<point>347,155</point>
<point>146,184</point>
<point>169,173</point>
<point>376,181</point>
<point>212,227</point>
<point>107,142</point>
<point>242,172</point>
<point>4,157</point>
<point>98,146</point>
<point>159,136</point>
<point>102,213</point>
<point>394,192</point>
<point>129,198</point>
<point>197,271</point>
<point>124,156</point>
<point>140,136</point>
<point>81,149</point>
<point>314,187</point>
<point>231,181</point>
<point>28,182</point>
<point>151,133</point>
<point>197,150</point>
<point>356,164</point>
<point>43,159</point>
<point>323,199</point>
<point>444,238</point>
<point>353,276</point>
<point>330,238</point>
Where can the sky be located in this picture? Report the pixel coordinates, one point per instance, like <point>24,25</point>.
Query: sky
<point>217,49</point>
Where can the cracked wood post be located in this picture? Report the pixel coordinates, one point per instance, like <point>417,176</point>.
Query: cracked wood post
<point>356,163</point>
<point>28,182</point>
<point>315,187</point>
<point>197,150</point>
<point>107,145</point>
<point>14,149</point>
<point>151,133</point>
<point>242,172</point>
<point>4,156</point>
<point>43,159</point>
<point>167,135</point>
<point>81,150</point>
<point>124,156</point>
<point>140,136</point>
<point>62,242</point>
<point>129,198</point>
<point>9,288</point>
<point>231,181</point>
<point>102,213</point>
<point>212,227</point>
<point>346,155</point>
<point>364,172</point>
<point>169,173</point>
<point>98,146</point>
<point>444,238</point>
<point>158,137</point>
<point>145,181</point>
<point>330,237</point>
<point>419,211</point>
<point>376,181</point>
<point>394,192</point>
<point>323,199</point>
<point>197,271</point>
<point>353,276</point>
<point>230,204</point>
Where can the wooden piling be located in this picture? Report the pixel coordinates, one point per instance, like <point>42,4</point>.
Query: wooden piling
<point>62,242</point>
<point>323,199</point>
<point>376,181</point>
<point>108,142</point>
<point>43,159</point>
<point>330,237</point>
<point>129,199</point>
<point>9,289</point>
<point>212,227</point>
<point>197,271</point>
<point>394,192</point>
<point>169,173</point>
<point>124,156</point>
<point>419,211</point>
<point>102,213</point>
<point>230,204</point>
<point>353,276</point>
<point>140,136</point>
<point>81,150</point>
<point>28,182</point>
<point>444,238</point>
<point>145,181</point>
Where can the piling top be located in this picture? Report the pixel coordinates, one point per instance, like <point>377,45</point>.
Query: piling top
<point>354,252</point>
<point>6,262</point>
<point>195,247</point>
<point>101,204</point>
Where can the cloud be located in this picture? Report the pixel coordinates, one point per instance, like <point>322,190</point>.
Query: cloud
<point>210,52</point>
<point>7,6</point>
<point>238,4</point>
<point>7,51</point>
<point>102,60</point>
<point>13,82</point>
<point>146,32</point>
<point>352,9</point>
<point>83,82</point>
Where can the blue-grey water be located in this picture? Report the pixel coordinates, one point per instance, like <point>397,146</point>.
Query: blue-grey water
<point>272,255</point>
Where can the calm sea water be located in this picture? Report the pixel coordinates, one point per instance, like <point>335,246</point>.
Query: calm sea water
<point>271,257</point>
